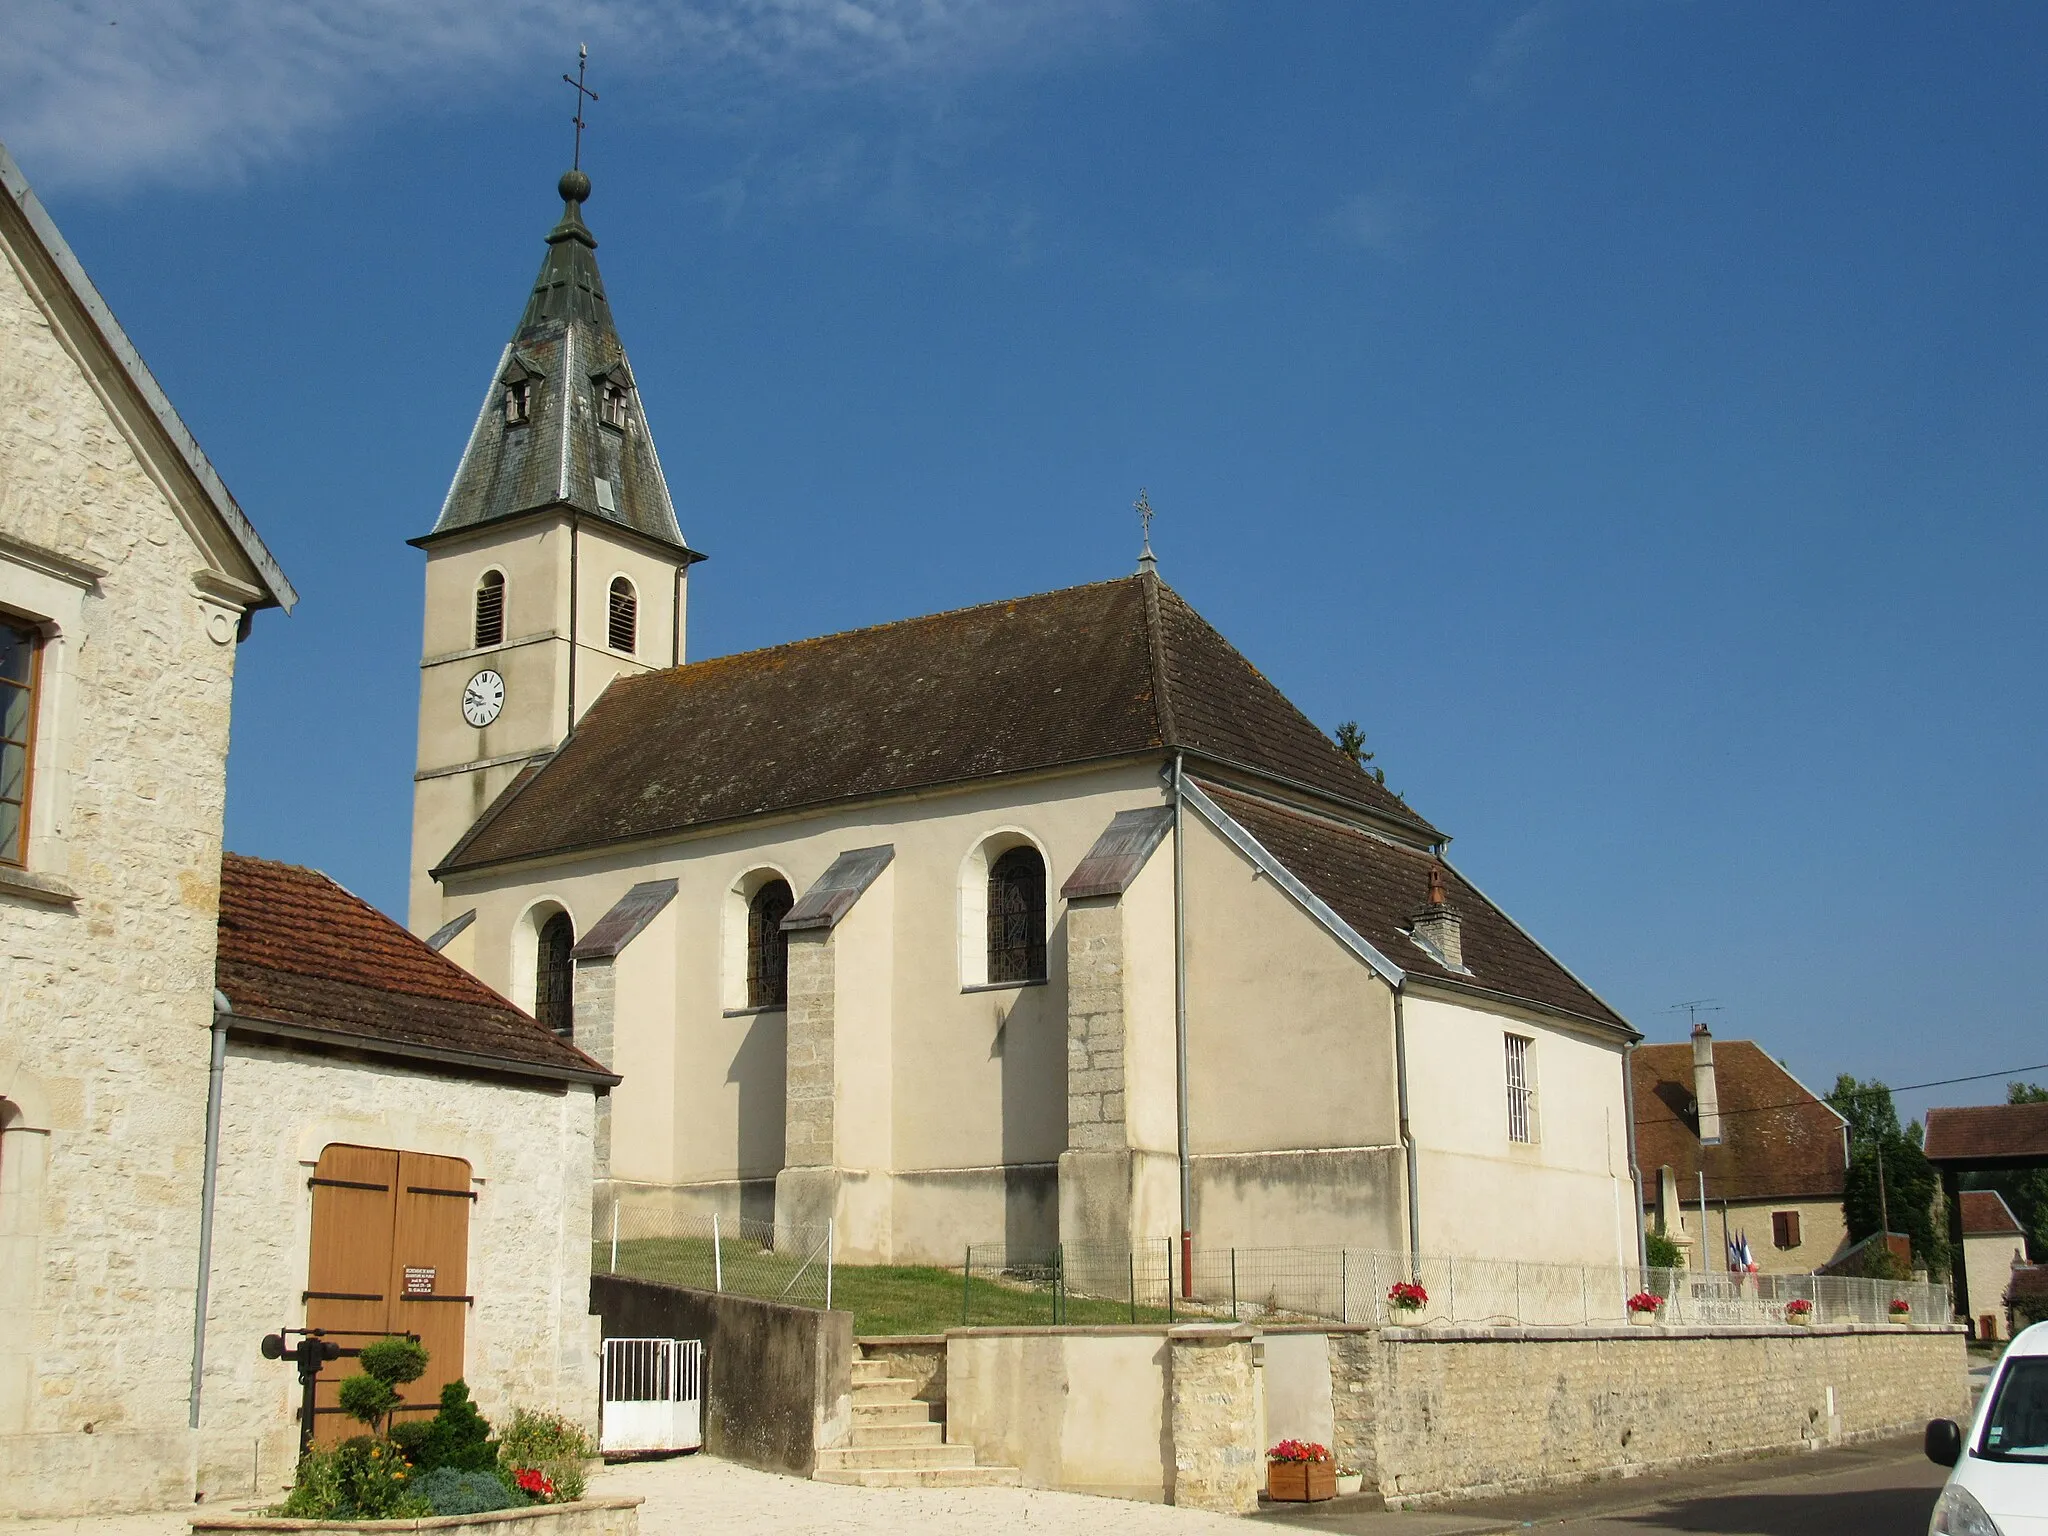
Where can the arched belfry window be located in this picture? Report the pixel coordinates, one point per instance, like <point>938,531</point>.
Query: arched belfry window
<point>624,616</point>
<point>490,610</point>
<point>768,946</point>
<point>554,976</point>
<point>1016,917</point>
<point>611,404</point>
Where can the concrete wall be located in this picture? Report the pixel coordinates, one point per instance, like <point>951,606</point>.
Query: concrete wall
<point>530,1341</point>
<point>109,548</point>
<point>778,1380</point>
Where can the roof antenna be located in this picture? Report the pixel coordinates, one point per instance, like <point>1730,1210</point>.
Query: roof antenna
<point>1148,563</point>
<point>582,90</point>
<point>1694,1009</point>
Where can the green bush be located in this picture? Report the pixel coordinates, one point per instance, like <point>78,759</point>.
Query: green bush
<point>458,1436</point>
<point>453,1491</point>
<point>1663,1252</point>
<point>550,1444</point>
<point>360,1479</point>
<point>387,1364</point>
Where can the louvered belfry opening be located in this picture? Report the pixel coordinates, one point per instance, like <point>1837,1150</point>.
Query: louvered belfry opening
<point>625,616</point>
<point>768,946</point>
<point>554,979</point>
<point>490,610</point>
<point>1016,916</point>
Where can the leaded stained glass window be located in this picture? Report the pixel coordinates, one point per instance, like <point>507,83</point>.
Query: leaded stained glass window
<point>768,946</point>
<point>1016,917</point>
<point>554,979</point>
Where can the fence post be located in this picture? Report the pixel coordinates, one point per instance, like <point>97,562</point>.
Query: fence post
<point>1059,1284</point>
<point>1132,1260</point>
<point>966,1282</point>
<point>830,1234</point>
<point>1169,1277</point>
<point>1451,1288</point>
<point>1343,1285</point>
<point>717,1256</point>
<point>615,1234</point>
<point>1233,1285</point>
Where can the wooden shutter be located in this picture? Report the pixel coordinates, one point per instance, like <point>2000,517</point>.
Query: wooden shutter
<point>376,1213</point>
<point>1785,1228</point>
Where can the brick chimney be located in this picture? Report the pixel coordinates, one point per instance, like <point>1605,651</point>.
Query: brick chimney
<point>1437,927</point>
<point>1704,1090</point>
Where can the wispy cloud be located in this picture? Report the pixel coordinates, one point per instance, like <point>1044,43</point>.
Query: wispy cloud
<point>1514,46</point>
<point>107,93</point>
<point>1387,221</point>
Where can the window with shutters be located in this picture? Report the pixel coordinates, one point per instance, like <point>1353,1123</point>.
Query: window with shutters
<point>624,615</point>
<point>1785,1229</point>
<point>611,404</point>
<point>554,976</point>
<point>518,402</point>
<point>768,946</point>
<point>1521,1088</point>
<point>1016,917</point>
<point>21,666</point>
<point>490,610</point>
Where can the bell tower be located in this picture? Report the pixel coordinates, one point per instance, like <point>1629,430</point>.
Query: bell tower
<point>556,563</point>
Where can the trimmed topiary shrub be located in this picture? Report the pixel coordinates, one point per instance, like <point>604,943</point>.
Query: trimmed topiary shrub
<point>387,1365</point>
<point>458,1436</point>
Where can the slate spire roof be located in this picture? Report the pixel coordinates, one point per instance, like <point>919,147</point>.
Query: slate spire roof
<point>564,351</point>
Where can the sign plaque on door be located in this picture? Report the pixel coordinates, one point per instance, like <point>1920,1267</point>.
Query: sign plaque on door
<point>419,1280</point>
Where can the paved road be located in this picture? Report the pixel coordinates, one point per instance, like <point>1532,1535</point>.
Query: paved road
<point>1884,1489</point>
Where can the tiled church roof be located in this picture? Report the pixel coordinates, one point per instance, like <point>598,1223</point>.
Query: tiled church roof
<point>297,950</point>
<point>1116,669</point>
<point>1778,1141</point>
<point>1376,887</point>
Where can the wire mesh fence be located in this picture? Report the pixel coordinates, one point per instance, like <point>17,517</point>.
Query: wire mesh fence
<point>649,1239</point>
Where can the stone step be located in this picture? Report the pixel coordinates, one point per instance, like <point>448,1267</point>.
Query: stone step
<point>884,1389</point>
<point>908,1411</point>
<point>887,1458</point>
<point>899,1434</point>
<point>925,1477</point>
<point>872,1370</point>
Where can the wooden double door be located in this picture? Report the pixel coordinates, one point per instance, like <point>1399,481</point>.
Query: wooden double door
<point>390,1255</point>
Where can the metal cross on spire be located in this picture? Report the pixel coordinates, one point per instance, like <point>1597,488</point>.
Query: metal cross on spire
<point>582,90</point>
<point>1147,561</point>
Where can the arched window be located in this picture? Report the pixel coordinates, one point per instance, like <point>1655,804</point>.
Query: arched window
<point>554,976</point>
<point>625,616</point>
<point>768,946</point>
<point>490,610</point>
<point>1016,917</point>
<point>611,403</point>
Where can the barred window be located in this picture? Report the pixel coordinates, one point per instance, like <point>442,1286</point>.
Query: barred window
<point>490,610</point>
<point>554,978</point>
<point>625,616</point>
<point>768,946</point>
<point>21,661</point>
<point>518,402</point>
<point>1521,1090</point>
<point>1016,917</point>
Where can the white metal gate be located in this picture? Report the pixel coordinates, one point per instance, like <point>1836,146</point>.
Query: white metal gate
<point>653,1396</point>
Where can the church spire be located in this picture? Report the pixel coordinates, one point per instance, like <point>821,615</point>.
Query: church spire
<point>561,425</point>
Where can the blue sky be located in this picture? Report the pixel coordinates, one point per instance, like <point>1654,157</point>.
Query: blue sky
<point>1631,412</point>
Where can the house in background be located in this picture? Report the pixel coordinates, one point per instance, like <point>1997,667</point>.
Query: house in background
<point>1993,1243</point>
<point>1981,1138</point>
<point>1774,1155</point>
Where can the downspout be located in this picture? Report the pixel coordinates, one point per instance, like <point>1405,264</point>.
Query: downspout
<point>569,728</point>
<point>1407,1139</point>
<point>1635,1172</point>
<point>207,1182</point>
<point>1180,1034</point>
<point>675,618</point>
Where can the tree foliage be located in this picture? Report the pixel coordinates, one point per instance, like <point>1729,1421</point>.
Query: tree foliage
<point>1889,1174</point>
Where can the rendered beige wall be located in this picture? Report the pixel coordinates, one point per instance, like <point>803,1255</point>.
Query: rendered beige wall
<point>1822,1231</point>
<point>105,1002</point>
<point>531,1340</point>
<point>1564,1197</point>
<point>1988,1265</point>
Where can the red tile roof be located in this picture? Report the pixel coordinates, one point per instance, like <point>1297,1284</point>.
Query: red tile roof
<point>1985,1131</point>
<point>1985,1214</point>
<point>296,949</point>
<point>1778,1141</point>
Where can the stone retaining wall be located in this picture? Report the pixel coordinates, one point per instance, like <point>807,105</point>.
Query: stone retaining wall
<point>584,1517</point>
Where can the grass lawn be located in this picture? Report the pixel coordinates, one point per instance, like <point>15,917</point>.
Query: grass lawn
<point>883,1298</point>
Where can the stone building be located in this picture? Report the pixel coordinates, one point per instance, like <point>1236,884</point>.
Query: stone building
<point>127,578</point>
<point>1048,920</point>
<point>1722,1123</point>
<point>400,1151</point>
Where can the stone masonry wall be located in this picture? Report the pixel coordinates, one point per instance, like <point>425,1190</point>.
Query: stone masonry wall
<point>105,1005</point>
<point>1095,1026</point>
<point>1214,1412</point>
<point>531,1341</point>
<point>809,1077</point>
<point>1474,1411</point>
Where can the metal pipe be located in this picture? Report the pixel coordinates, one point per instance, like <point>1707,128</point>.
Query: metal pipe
<point>209,1178</point>
<point>717,1257</point>
<point>1704,1266</point>
<point>1180,1033</point>
<point>1407,1139</point>
<point>1635,1172</point>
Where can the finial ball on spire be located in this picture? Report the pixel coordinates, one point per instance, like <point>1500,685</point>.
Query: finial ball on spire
<point>574,186</point>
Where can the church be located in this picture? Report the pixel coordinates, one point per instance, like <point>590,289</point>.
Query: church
<point>1045,921</point>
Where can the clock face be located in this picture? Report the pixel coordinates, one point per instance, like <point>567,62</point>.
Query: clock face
<point>483,698</point>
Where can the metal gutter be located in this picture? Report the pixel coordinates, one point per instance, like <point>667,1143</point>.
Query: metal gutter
<point>1180,1032</point>
<point>209,1182</point>
<point>402,1050</point>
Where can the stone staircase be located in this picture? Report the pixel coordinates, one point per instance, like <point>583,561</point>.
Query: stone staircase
<point>895,1444</point>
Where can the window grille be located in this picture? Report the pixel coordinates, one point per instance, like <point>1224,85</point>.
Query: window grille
<point>768,946</point>
<point>611,404</point>
<point>554,981</point>
<point>1785,1229</point>
<point>518,402</point>
<point>1521,1090</point>
<point>490,610</point>
<point>21,658</point>
<point>1016,917</point>
<point>625,616</point>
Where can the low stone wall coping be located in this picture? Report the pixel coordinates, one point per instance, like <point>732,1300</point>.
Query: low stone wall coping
<point>885,1340</point>
<point>545,1512</point>
<point>1650,1332</point>
<point>1221,1332</point>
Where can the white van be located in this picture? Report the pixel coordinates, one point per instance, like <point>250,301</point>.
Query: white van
<point>2000,1483</point>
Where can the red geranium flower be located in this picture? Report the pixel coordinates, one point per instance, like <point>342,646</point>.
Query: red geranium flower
<point>532,1480</point>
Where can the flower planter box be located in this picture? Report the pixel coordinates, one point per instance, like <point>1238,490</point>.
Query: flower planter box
<point>1403,1317</point>
<point>1799,1319</point>
<point>1643,1319</point>
<point>1296,1482</point>
<point>1349,1483</point>
<point>585,1517</point>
